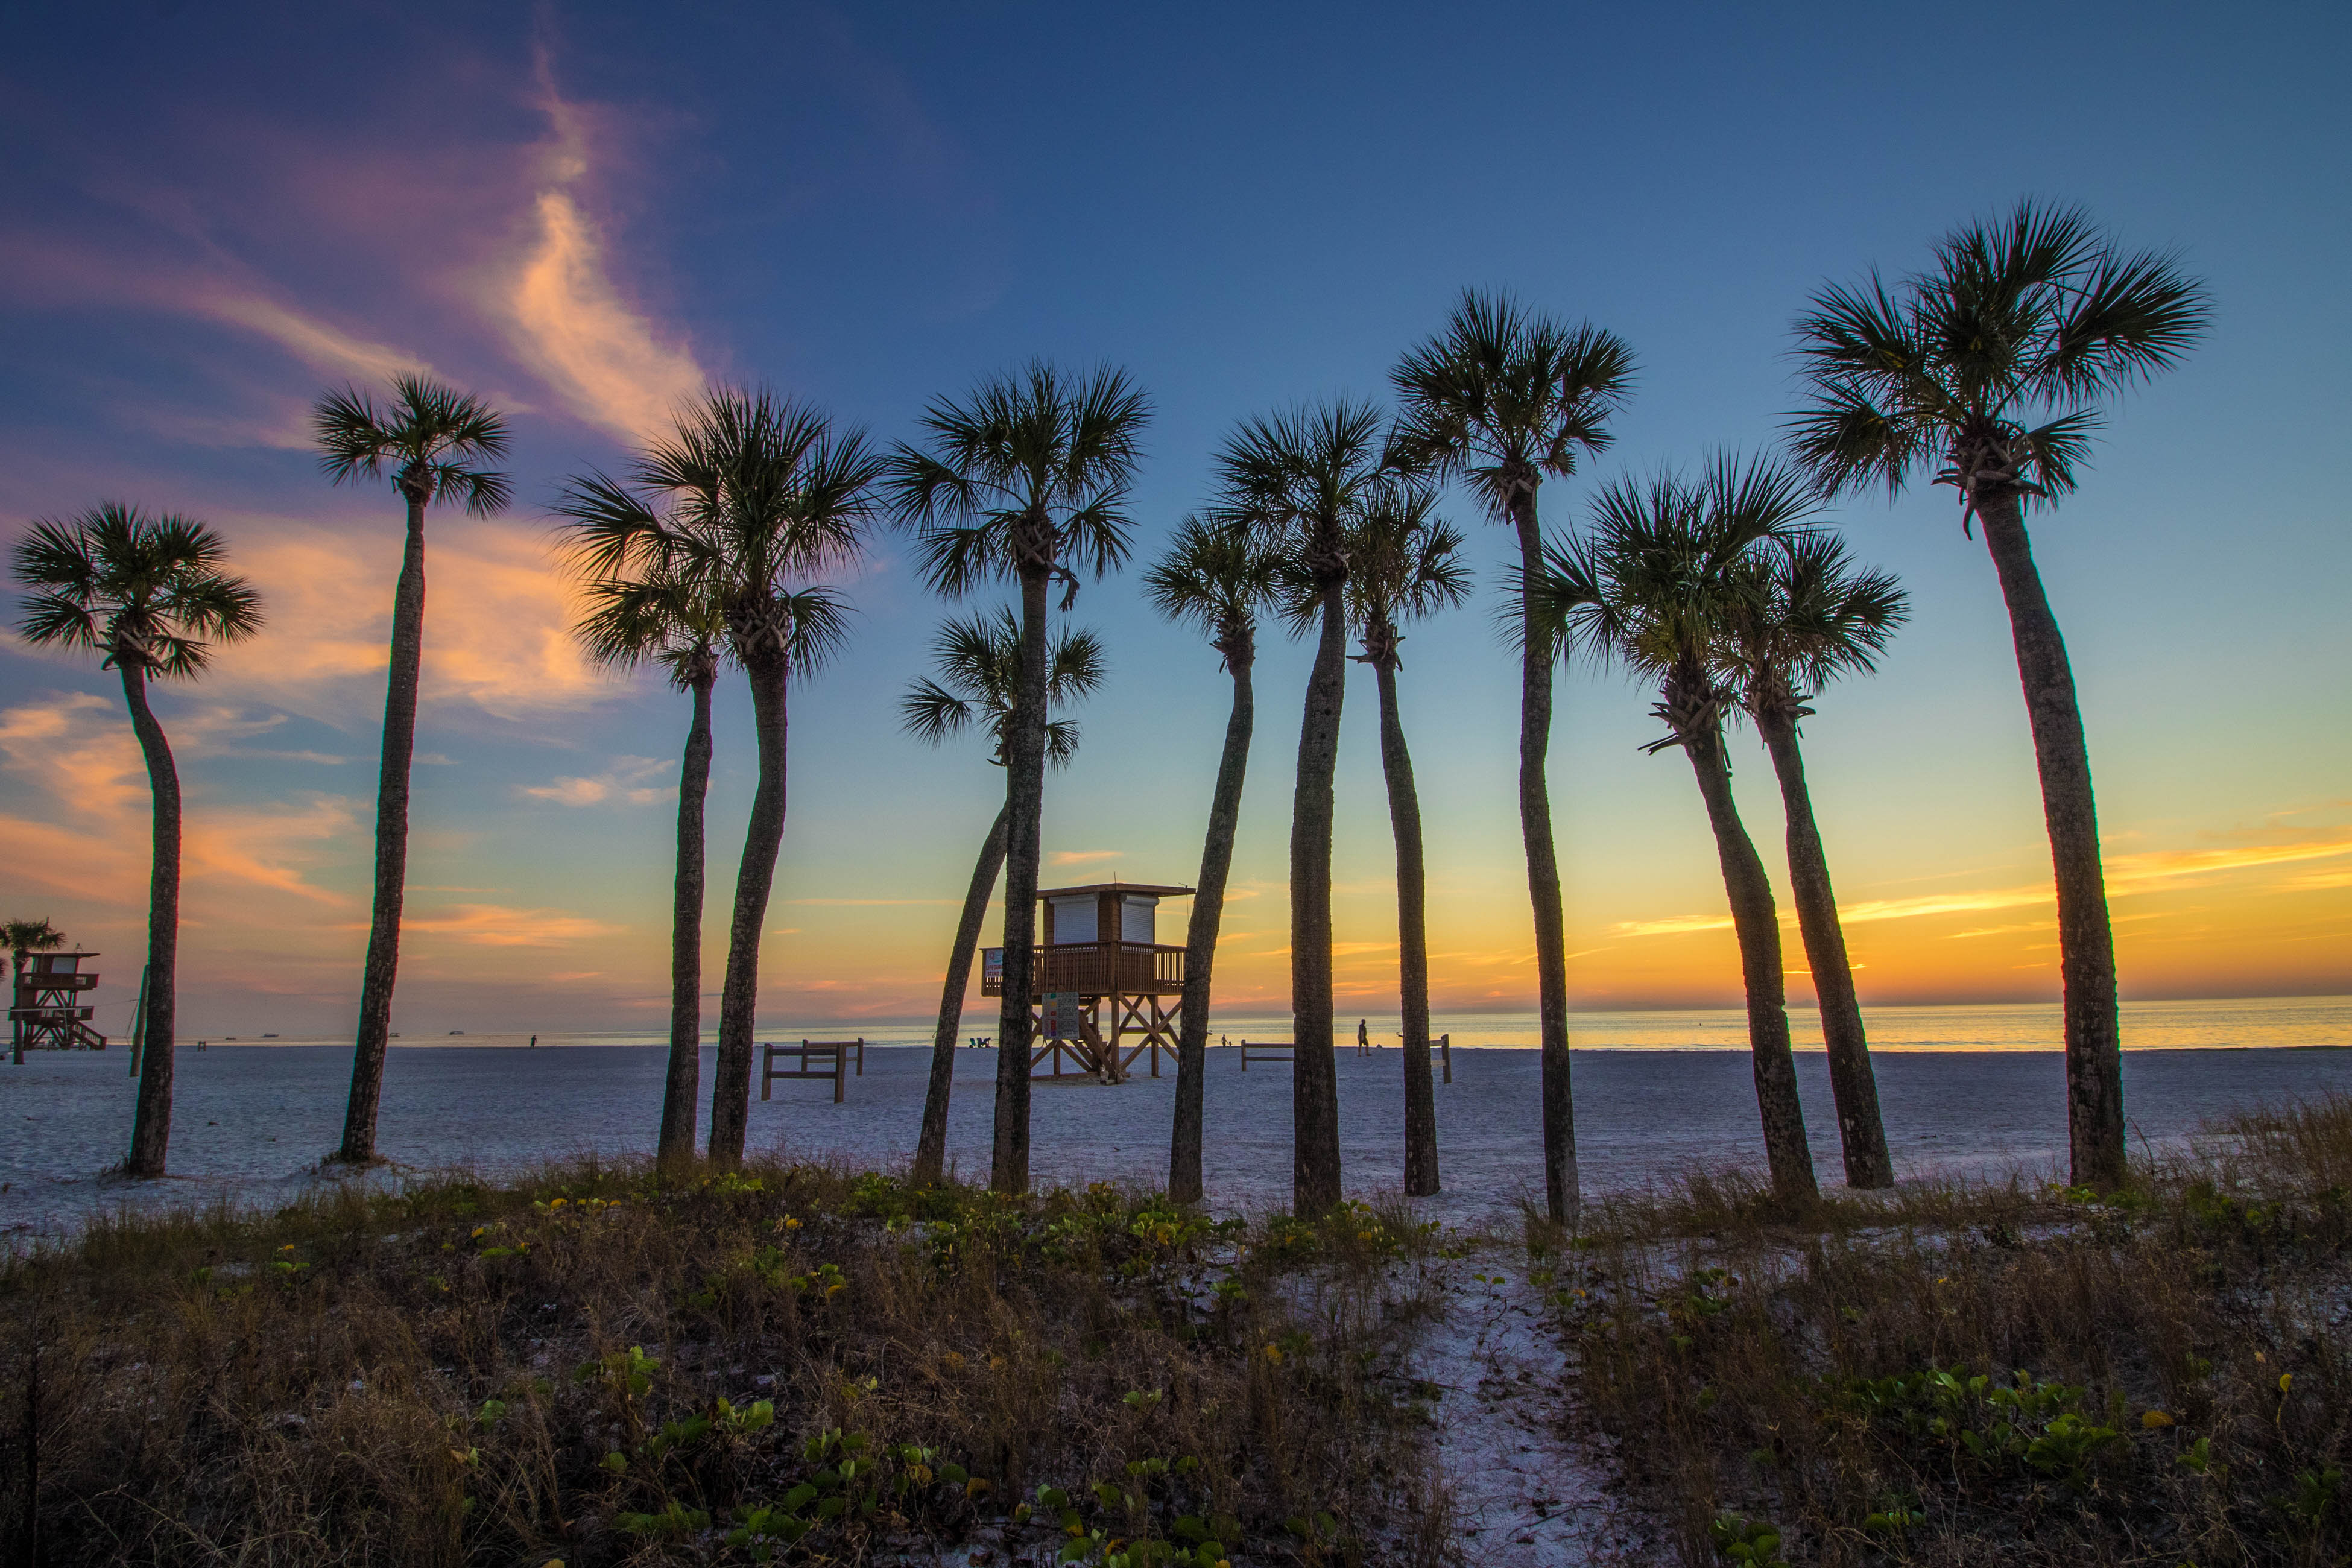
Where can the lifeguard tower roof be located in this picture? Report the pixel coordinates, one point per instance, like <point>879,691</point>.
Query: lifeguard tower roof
<point>1147,888</point>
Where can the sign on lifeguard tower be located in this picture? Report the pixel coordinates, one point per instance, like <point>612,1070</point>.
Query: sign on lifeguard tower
<point>1101,978</point>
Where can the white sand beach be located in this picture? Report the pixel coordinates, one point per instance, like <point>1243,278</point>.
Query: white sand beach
<point>252,1121</point>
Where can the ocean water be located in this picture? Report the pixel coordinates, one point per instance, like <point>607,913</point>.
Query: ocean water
<point>2258,1023</point>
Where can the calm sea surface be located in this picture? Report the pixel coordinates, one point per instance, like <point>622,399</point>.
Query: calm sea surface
<point>2240,1025</point>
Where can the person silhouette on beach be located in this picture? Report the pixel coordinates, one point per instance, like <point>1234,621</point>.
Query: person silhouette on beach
<point>1363,1037</point>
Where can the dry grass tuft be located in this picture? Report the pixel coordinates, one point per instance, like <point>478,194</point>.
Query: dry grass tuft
<point>1963,1375</point>
<point>788,1363</point>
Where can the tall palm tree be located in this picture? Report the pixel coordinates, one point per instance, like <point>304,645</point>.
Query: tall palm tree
<point>1301,482</point>
<point>668,618</point>
<point>1406,564</point>
<point>1652,587</point>
<point>1986,370</point>
<point>1024,479</point>
<point>152,594</point>
<point>979,680</point>
<point>1807,615</point>
<point>1507,398</point>
<point>434,443</point>
<point>22,938</point>
<point>1216,578</point>
<point>746,500</point>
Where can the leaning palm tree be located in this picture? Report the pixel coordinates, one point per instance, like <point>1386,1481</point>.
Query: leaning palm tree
<point>432,442</point>
<point>152,594</point>
<point>1986,370</point>
<point>666,618</point>
<point>751,496</point>
<point>1405,563</point>
<point>1806,616</point>
<point>979,663</point>
<point>1507,398</point>
<point>1652,587</point>
<point>1022,478</point>
<point>1216,578</point>
<point>1301,482</point>
<point>22,938</point>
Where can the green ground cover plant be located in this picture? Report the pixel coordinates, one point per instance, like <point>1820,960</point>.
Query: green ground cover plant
<point>783,1363</point>
<point>1948,1375</point>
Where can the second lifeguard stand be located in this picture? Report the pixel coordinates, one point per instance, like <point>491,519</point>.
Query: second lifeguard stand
<point>1102,978</point>
<point>47,1012</point>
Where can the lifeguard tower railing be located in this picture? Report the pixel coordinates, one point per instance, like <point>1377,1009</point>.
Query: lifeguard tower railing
<point>1095,969</point>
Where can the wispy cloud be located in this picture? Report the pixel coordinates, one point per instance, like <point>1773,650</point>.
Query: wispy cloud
<point>496,925</point>
<point>624,780</point>
<point>1082,856</point>
<point>566,317</point>
<point>1671,925</point>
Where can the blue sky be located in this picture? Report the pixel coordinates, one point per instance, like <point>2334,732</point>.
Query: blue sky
<point>208,213</point>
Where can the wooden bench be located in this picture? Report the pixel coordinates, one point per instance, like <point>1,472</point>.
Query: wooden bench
<point>1268,1051</point>
<point>817,1058</point>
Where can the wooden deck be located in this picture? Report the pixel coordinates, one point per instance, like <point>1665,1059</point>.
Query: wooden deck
<point>1095,969</point>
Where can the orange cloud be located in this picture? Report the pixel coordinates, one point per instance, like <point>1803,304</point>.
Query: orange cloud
<point>625,779</point>
<point>496,925</point>
<point>567,319</point>
<point>1082,856</point>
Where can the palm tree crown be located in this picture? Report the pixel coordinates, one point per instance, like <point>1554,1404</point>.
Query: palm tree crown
<point>434,439</point>
<point>1504,397</point>
<point>1302,482</point>
<point>148,592</point>
<point>1031,471</point>
<point>1657,580</point>
<point>1808,615</point>
<point>665,617</point>
<point>1404,563</point>
<point>751,495</point>
<point>1216,578</point>
<point>980,677</point>
<point>1987,364</point>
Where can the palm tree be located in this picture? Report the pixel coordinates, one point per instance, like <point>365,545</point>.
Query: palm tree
<point>1405,563</point>
<point>1505,398</point>
<point>1216,578</point>
<point>1986,370</point>
<point>22,938</point>
<point>979,680</point>
<point>1301,482</point>
<point>1023,478</point>
<point>669,619</point>
<point>746,500</point>
<point>151,595</point>
<point>1653,587</point>
<point>1806,617</point>
<point>432,442</point>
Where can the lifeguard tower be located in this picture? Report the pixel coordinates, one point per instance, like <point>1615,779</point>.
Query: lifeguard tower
<point>1101,979</point>
<point>47,1012</point>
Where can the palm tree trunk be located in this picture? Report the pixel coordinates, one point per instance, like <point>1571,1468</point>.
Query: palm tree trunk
<point>1563,1198</point>
<point>931,1147</point>
<point>1200,940</point>
<point>683,1085</point>
<point>1412,942</point>
<point>1758,924</point>
<point>2086,942</point>
<point>755,877</point>
<point>391,847</point>
<point>150,1131</point>
<point>1860,1134</point>
<point>1025,801</point>
<point>1315,1089</point>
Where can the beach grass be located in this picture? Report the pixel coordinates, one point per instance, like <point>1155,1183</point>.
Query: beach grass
<point>1951,1374</point>
<point>608,1363</point>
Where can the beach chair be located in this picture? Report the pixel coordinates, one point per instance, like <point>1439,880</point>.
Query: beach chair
<point>816,1058</point>
<point>1268,1051</point>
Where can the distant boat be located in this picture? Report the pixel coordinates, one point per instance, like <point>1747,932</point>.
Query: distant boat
<point>268,1036</point>
<point>456,1031</point>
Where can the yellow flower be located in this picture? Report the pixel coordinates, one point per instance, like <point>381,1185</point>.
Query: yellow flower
<point>2155,1419</point>
<point>1274,1354</point>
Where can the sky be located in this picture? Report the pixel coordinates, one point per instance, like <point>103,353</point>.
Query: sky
<point>209,215</point>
